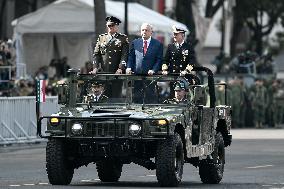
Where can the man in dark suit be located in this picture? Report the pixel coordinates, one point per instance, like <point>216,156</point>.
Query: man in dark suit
<point>145,55</point>
<point>179,54</point>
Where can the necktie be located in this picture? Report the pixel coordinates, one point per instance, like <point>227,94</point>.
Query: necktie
<point>145,47</point>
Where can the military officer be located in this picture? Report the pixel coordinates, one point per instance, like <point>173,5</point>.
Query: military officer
<point>96,95</point>
<point>110,54</point>
<point>181,90</point>
<point>111,50</point>
<point>179,54</point>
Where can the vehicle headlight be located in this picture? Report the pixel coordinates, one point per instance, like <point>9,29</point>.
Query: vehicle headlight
<point>54,121</point>
<point>134,129</point>
<point>77,128</point>
<point>159,122</point>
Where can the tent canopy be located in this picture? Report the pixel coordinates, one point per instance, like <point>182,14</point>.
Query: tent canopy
<point>77,16</point>
<point>65,28</point>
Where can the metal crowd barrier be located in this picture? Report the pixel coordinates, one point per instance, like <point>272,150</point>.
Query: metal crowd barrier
<point>18,118</point>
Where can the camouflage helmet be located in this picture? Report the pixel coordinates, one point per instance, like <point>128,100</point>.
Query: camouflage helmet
<point>181,84</point>
<point>97,84</point>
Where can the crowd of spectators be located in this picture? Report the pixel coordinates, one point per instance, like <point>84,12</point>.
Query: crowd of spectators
<point>11,86</point>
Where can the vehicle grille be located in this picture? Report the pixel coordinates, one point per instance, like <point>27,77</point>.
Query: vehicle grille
<point>107,129</point>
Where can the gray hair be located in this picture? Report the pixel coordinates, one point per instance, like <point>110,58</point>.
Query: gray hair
<point>147,25</point>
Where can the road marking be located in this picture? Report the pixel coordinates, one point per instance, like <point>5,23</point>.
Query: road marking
<point>97,179</point>
<point>43,183</point>
<point>267,185</point>
<point>86,180</point>
<point>15,185</point>
<point>28,184</point>
<point>261,166</point>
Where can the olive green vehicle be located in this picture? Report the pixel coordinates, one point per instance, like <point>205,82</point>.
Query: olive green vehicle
<point>137,127</point>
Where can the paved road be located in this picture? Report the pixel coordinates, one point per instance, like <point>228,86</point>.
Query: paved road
<point>252,162</point>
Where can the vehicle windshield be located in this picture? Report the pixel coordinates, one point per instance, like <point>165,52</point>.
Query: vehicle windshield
<point>116,89</point>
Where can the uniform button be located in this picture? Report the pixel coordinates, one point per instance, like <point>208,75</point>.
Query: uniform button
<point>109,62</point>
<point>114,50</point>
<point>180,66</point>
<point>109,56</point>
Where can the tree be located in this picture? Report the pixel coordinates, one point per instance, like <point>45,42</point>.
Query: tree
<point>100,15</point>
<point>212,6</point>
<point>184,15</point>
<point>254,18</point>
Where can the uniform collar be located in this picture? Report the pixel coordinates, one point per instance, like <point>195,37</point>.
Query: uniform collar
<point>113,35</point>
<point>179,45</point>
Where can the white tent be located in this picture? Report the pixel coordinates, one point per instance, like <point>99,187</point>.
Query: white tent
<point>66,27</point>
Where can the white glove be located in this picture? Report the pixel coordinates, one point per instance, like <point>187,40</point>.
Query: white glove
<point>118,71</point>
<point>151,72</point>
<point>95,71</point>
<point>165,72</point>
<point>128,71</point>
<point>183,73</point>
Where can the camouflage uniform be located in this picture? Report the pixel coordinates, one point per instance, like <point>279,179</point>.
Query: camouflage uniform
<point>175,101</point>
<point>272,105</point>
<point>259,102</point>
<point>220,95</point>
<point>237,99</point>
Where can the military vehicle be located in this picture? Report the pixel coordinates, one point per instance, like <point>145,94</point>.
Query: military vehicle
<point>137,127</point>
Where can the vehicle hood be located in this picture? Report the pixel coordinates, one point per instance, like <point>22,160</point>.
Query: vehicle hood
<point>132,112</point>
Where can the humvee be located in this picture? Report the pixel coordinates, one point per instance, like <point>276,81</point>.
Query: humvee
<point>142,130</point>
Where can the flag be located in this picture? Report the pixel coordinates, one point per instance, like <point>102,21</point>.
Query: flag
<point>41,84</point>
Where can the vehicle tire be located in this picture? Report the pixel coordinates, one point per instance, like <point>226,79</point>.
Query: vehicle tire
<point>169,161</point>
<point>58,168</point>
<point>211,170</point>
<point>109,170</point>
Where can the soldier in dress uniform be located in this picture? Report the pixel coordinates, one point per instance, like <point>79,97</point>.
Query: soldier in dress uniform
<point>181,90</point>
<point>96,95</point>
<point>111,50</point>
<point>179,54</point>
<point>111,53</point>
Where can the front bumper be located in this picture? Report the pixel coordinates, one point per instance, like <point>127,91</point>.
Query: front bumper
<point>102,128</point>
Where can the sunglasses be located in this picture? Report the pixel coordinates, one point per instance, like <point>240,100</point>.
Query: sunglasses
<point>110,25</point>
